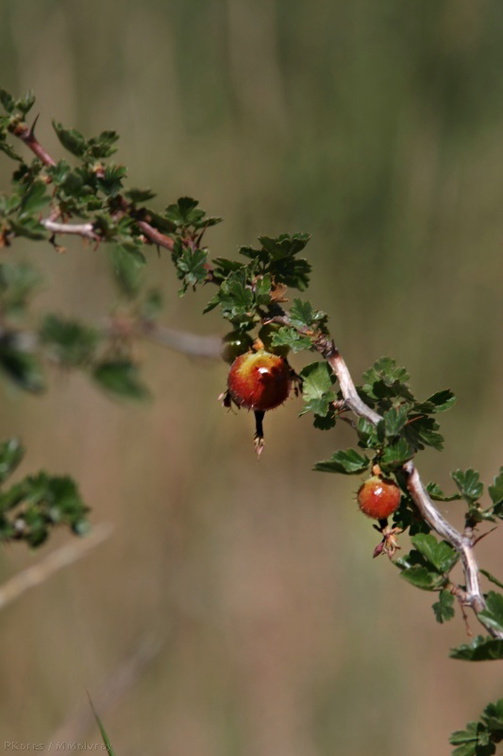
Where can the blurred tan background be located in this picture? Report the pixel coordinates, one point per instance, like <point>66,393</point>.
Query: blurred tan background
<point>241,597</point>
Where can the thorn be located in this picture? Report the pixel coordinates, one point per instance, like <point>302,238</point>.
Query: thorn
<point>31,133</point>
<point>480,537</point>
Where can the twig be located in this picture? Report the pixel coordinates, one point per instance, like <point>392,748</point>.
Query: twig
<point>191,344</point>
<point>155,236</point>
<point>83,229</point>
<point>27,136</point>
<point>52,563</point>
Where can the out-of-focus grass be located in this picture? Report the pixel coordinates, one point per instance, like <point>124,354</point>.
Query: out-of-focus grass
<point>377,127</point>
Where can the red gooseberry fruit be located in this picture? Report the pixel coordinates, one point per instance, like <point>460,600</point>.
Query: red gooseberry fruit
<point>259,380</point>
<point>378,498</point>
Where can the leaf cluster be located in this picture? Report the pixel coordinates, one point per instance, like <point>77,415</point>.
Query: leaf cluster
<point>32,507</point>
<point>252,292</point>
<point>480,738</point>
<point>63,342</point>
<point>427,566</point>
<point>407,425</point>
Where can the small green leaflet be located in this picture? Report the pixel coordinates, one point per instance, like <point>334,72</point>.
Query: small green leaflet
<point>287,336</point>
<point>317,388</point>
<point>496,493</point>
<point>440,555</point>
<point>348,462</point>
<point>444,607</point>
<point>303,315</point>
<point>469,484</point>
<point>480,648</point>
<point>492,615</point>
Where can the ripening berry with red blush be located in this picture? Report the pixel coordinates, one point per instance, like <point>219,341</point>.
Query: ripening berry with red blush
<point>259,380</point>
<point>378,498</point>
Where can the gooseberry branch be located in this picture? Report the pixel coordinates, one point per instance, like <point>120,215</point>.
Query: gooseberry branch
<point>463,543</point>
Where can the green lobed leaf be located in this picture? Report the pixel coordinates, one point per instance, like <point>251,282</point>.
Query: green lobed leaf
<point>317,379</point>
<point>325,422</point>
<point>287,336</point>
<point>185,212</point>
<point>444,607</point>
<point>492,615</point>
<point>139,195</point>
<point>122,378</point>
<point>439,402</point>
<point>348,462</point>
<point>394,455</point>
<point>481,648</point>
<point>110,182</point>
<point>191,267</point>
<point>71,139</point>
<point>496,493</point>
<point>474,741</point>
<point>439,554</point>
<point>437,494</point>
<point>395,420</point>
<point>25,104</point>
<point>38,503</point>
<point>222,268</point>
<point>421,577</point>
<point>419,571</point>
<point>262,290</point>
<point>102,146</point>
<point>236,300</point>
<point>317,388</point>
<point>493,718</point>
<point>35,198</point>
<point>368,434</point>
<point>469,484</point>
<point>422,431</point>
<point>386,370</point>
<point>7,100</point>
<point>277,256</point>
<point>284,245</point>
<point>303,315</point>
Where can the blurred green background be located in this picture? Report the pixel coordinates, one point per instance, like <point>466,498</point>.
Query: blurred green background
<point>237,610</point>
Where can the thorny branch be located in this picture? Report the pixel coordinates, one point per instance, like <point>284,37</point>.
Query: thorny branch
<point>85,230</point>
<point>463,543</point>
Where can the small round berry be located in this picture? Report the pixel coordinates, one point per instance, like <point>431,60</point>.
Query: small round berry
<point>378,498</point>
<point>259,380</point>
<point>234,344</point>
